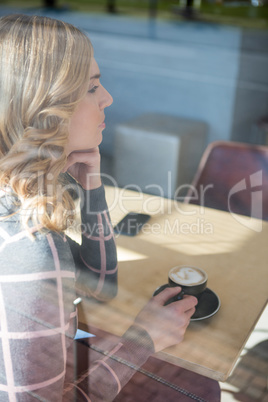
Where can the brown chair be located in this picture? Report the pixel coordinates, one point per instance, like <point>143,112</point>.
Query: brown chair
<point>232,177</point>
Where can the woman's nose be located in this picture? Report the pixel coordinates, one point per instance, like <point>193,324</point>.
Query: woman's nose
<point>107,99</point>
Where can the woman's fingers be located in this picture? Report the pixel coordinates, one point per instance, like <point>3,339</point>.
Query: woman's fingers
<point>167,294</point>
<point>84,167</point>
<point>167,323</point>
<point>188,303</point>
<point>90,157</point>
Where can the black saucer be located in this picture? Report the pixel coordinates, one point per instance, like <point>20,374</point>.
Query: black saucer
<point>208,305</point>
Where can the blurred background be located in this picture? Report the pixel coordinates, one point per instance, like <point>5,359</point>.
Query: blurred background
<point>197,70</point>
<point>182,74</point>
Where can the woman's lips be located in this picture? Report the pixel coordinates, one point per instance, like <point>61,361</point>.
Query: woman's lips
<point>102,125</point>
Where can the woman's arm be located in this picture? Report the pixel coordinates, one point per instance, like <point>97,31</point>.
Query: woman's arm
<point>113,362</point>
<point>96,258</point>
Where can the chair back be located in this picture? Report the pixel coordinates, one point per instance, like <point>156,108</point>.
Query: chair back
<point>232,177</point>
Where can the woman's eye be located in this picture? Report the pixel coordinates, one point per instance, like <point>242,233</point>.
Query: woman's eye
<point>94,89</point>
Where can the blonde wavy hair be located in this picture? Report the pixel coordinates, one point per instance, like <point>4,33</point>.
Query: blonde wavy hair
<point>44,73</point>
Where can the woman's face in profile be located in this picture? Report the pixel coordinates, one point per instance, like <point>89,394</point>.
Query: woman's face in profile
<point>87,122</point>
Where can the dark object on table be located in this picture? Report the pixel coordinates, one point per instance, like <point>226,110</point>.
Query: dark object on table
<point>131,224</point>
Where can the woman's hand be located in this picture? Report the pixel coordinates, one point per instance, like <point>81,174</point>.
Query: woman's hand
<point>84,167</point>
<point>166,324</point>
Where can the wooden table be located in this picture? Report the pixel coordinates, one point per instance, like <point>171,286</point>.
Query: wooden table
<point>233,250</point>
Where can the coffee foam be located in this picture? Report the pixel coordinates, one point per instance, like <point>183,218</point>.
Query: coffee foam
<point>187,276</point>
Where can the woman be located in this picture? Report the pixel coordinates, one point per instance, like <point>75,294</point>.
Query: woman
<point>51,123</point>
